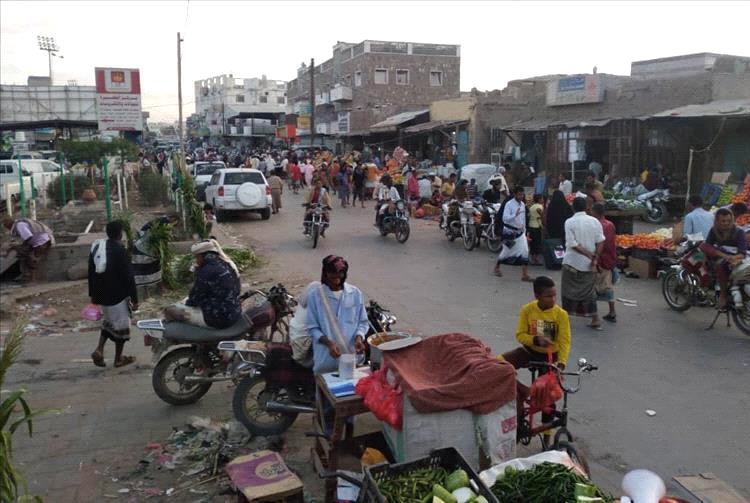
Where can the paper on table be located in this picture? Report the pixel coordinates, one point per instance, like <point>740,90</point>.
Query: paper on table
<point>344,387</point>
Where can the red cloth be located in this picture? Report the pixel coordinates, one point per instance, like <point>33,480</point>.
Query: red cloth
<point>608,258</point>
<point>452,371</point>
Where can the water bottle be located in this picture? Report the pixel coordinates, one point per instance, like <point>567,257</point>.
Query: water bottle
<point>736,296</point>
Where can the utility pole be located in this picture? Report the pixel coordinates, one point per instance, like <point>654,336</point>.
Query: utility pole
<point>179,96</point>
<point>49,45</point>
<point>312,101</point>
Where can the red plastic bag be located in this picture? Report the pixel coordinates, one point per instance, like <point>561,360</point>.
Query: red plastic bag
<point>545,390</point>
<point>383,400</point>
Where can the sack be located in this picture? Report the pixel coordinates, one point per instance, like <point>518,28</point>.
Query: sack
<point>92,312</point>
<point>302,351</point>
<point>384,401</point>
<point>545,391</point>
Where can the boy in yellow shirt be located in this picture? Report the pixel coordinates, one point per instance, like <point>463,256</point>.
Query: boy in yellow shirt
<point>543,328</point>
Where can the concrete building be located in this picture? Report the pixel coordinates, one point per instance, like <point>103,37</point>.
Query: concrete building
<point>366,83</point>
<point>229,106</point>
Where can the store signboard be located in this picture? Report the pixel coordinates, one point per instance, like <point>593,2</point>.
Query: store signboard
<point>303,125</point>
<point>118,99</point>
<point>343,122</point>
<point>575,90</point>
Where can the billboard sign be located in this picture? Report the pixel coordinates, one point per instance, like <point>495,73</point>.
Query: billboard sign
<point>575,90</point>
<point>118,99</point>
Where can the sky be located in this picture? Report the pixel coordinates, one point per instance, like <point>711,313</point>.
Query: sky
<point>500,41</point>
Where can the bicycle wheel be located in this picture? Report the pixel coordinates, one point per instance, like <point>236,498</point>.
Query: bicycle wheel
<point>577,457</point>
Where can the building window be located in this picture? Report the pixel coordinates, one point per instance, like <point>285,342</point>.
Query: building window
<point>240,98</point>
<point>402,77</point>
<point>381,76</point>
<point>357,79</point>
<point>436,78</point>
<point>280,100</point>
<point>263,99</point>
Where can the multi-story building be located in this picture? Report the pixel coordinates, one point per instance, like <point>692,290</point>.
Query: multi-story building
<point>229,106</point>
<point>365,83</point>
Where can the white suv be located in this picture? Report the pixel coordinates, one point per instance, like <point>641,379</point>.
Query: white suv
<point>239,189</point>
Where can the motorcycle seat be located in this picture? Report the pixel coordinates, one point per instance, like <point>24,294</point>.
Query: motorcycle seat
<point>178,331</point>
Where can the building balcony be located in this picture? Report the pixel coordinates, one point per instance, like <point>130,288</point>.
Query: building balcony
<point>323,98</point>
<point>341,93</point>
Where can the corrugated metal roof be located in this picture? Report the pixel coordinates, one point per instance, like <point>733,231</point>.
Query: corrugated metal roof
<point>720,108</point>
<point>393,121</point>
<point>543,124</point>
<point>432,125</point>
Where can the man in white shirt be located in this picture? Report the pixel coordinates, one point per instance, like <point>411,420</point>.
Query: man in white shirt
<point>425,188</point>
<point>584,241</point>
<point>698,220</point>
<point>566,186</point>
<point>387,195</point>
<point>515,250</point>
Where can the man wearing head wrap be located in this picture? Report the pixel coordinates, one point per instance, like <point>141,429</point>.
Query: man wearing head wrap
<point>336,316</point>
<point>214,300</point>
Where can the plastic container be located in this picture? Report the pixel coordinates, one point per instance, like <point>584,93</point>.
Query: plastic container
<point>347,362</point>
<point>448,458</point>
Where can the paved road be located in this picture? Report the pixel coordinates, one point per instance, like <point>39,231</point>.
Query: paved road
<point>653,358</point>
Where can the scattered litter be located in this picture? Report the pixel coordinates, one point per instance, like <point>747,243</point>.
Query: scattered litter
<point>170,491</point>
<point>50,311</point>
<point>124,490</point>
<point>627,301</point>
<point>650,412</point>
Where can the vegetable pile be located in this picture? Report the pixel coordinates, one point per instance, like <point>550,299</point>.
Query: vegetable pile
<point>743,196</point>
<point>429,485</point>
<point>726,195</point>
<point>546,483</point>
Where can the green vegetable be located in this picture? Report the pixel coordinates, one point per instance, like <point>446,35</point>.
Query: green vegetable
<point>456,480</point>
<point>441,492</point>
<point>481,499</point>
<point>414,486</point>
<point>463,495</point>
<point>588,499</point>
<point>544,483</point>
<point>585,490</point>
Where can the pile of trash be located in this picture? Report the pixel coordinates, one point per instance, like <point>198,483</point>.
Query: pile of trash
<point>191,460</point>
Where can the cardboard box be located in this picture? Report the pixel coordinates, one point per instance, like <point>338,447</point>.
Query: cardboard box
<point>643,268</point>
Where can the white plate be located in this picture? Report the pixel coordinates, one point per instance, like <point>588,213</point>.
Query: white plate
<point>399,343</point>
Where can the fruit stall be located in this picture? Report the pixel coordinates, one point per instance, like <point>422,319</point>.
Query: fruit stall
<point>640,253</point>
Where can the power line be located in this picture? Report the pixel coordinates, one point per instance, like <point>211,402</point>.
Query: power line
<point>169,105</point>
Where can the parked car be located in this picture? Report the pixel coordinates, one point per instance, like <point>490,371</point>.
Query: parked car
<point>42,170</point>
<point>27,155</point>
<point>239,189</point>
<point>9,175</point>
<point>202,173</point>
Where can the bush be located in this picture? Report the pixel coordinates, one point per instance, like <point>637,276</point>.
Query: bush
<point>153,189</point>
<point>80,183</point>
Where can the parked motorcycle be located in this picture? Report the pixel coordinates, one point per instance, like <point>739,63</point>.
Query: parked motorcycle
<point>449,219</point>
<point>656,205</point>
<point>276,389</point>
<point>396,222</point>
<point>184,374</point>
<point>690,282</point>
<point>488,229</point>
<point>316,225</point>
<point>470,219</point>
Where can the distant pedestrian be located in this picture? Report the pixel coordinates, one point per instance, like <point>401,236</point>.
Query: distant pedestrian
<point>277,188</point>
<point>36,240</point>
<point>359,177</point>
<point>342,186</point>
<point>296,175</point>
<point>606,271</point>
<point>112,286</point>
<point>536,221</point>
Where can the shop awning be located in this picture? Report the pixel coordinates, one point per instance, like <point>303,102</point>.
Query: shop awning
<point>719,108</point>
<point>544,124</point>
<point>434,126</point>
<point>392,122</point>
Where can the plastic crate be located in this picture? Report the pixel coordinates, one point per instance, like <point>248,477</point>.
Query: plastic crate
<point>448,458</point>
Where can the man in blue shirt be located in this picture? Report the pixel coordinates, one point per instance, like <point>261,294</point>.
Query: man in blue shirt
<point>698,220</point>
<point>335,301</point>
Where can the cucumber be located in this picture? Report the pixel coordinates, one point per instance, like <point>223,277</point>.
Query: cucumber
<point>457,480</point>
<point>442,493</point>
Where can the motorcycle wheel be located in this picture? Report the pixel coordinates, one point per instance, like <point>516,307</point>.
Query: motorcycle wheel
<point>383,231</point>
<point>402,232</point>
<point>676,292</point>
<point>469,237</point>
<point>315,234</point>
<point>248,405</point>
<point>741,318</point>
<point>494,244</point>
<point>179,361</point>
<point>657,215</point>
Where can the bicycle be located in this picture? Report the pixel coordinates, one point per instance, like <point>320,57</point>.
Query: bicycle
<point>526,431</point>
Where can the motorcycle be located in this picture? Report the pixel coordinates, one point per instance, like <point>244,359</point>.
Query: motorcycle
<point>184,374</point>
<point>275,389</point>
<point>396,222</point>
<point>656,205</point>
<point>489,226</point>
<point>470,219</point>
<point>316,225</point>
<point>449,220</point>
<point>690,282</point>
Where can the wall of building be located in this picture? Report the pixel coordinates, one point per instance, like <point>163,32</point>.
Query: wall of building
<point>454,109</point>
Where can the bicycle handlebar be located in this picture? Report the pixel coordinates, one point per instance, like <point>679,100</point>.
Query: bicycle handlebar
<point>584,368</point>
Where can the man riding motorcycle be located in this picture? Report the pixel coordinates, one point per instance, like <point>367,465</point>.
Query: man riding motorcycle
<point>387,197</point>
<point>214,300</point>
<point>316,195</point>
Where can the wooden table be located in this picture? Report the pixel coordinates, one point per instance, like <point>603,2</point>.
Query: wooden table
<point>623,219</point>
<point>327,449</point>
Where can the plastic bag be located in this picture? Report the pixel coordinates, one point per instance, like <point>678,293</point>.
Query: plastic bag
<point>91,312</point>
<point>545,391</point>
<point>384,401</point>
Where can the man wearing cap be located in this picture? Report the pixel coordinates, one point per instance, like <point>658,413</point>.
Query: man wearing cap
<point>214,300</point>
<point>336,316</point>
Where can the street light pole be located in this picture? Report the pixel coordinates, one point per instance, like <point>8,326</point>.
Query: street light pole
<point>49,45</point>
<point>179,95</point>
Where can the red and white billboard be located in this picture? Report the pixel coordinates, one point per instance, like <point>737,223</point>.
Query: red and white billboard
<point>118,96</point>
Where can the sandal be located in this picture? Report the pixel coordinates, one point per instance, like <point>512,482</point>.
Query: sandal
<point>595,327</point>
<point>611,318</point>
<point>98,359</point>
<point>125,360</point>
<point>498,274</point>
